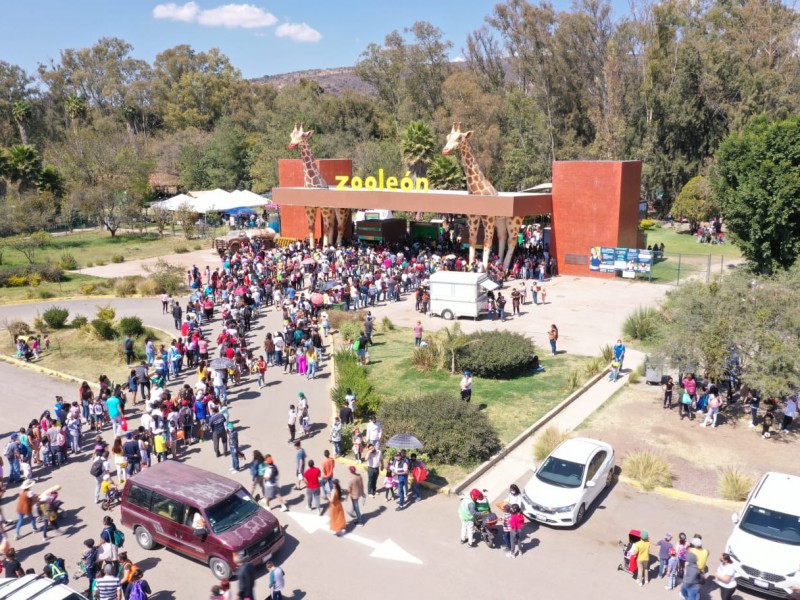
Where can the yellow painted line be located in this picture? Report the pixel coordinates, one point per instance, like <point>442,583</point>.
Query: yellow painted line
<point>61,299</point>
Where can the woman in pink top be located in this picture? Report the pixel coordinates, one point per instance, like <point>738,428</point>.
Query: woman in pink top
<point>202,348</point>
<point>418,333</point>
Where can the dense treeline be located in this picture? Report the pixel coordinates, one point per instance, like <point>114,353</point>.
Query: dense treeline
<point>664,84</point>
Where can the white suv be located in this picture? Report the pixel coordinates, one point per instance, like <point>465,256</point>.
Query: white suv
<point>38,587</point>
<point>765,542</point>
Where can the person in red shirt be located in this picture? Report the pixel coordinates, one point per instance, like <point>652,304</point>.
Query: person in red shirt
<point>312,476</point>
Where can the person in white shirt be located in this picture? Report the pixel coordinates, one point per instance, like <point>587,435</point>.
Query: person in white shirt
<point>789,412</point>
<point>466,386</point>
<point>725,577</point>
<point>374,432</point>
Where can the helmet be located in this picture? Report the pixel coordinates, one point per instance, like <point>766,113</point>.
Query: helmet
<point>476,495</point>
<point>468,373</point>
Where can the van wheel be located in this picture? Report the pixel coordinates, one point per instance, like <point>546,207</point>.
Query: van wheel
<point>144,538</point>
<point>447,314</point>
<point>219,568</point>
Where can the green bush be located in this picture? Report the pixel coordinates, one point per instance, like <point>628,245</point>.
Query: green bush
<point>181,249</point>
<point>117,258</point>
<point>45,294</point>
<point>167,278</point>
<point>67,262</point>
<point>349,374</point>
<point>386,324</point>
<point>734,484</point>
<point>641,324</point>
<point>594,366</point>
<point>87,289</point>
<point>100,262</point>
<point>574,380</point>
<point>131,326</point>
<point>125,286</point>
<point>452,431</point>
<point>634,378</point>
<point>607,352</point>
<point>39,324</point>
<point>350,330</point>
<point>337,317</point>
<point>89,263</point>
<point>651,470</point>
<point>147,287</point>
<point>106,313</point>
<point>29,275</point>
<point>17,328</point>
<point>104,329</point>
<point>496,354</point>
<point>197,247</point>
<point>547,441</point>
<point>56,316</point>
<point>79,321</point>
<point>427,358</point>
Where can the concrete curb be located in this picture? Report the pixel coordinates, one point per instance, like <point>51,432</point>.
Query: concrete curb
<point>66,299</point>
<point>45,371</point>
<point>513,444</point>
<point>684,496</point>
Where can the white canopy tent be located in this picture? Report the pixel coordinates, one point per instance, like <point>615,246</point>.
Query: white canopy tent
<point>200,201</point>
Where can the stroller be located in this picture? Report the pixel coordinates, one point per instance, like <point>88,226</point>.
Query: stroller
<point>629,563</point>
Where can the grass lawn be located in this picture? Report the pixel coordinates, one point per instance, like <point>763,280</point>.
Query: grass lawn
<point>683,254</point>
<point>81,354</point>
<point>98,247</point>
<point>70,287</point>
<point>511,405</point>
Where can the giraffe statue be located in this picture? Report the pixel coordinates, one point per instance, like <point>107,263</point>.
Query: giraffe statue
<point>312,178</point>
<point>478,185</point>
<point>343,215</point>
<point>507,232</point>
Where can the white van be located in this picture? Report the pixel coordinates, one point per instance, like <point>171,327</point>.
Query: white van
<point>459,294</point>
<point>765,542</point>
<point>36,587</point>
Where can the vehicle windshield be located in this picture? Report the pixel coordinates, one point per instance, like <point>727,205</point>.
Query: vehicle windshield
<point>560,472</point>
<point>232,511</point>
<point>772,525</point>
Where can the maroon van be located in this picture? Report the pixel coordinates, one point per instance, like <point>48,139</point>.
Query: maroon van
<point>160,505</point>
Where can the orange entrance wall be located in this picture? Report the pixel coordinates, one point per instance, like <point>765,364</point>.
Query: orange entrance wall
<point>594,204</point>
<point>290,174</point>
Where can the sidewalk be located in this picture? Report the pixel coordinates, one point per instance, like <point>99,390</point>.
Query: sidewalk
<point>518,461</point>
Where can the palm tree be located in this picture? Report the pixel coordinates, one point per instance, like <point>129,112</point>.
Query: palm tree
<point>445,173</point>
<point>21,110</point>
<point>450,340</point>
<point>24,167</point>
<point>50,180</point>
<point>77,109</point>
<point>418,148</point>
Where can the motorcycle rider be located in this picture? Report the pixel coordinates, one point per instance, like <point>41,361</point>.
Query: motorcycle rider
<point>467,512</point>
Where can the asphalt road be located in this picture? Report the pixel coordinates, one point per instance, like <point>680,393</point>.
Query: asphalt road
<point>423,557</point>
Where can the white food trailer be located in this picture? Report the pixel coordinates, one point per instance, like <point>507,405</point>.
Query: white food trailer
<point>459,294</point>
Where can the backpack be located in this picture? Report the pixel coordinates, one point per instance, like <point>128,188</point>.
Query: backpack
<point>136,593</point>
<point>118,538</point>
<point>96,469</point>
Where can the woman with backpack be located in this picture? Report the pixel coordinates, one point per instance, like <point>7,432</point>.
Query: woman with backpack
<point>138,589</point>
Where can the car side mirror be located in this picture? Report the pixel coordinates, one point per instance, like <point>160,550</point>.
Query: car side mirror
<point>200,532</point>
<point>735,518</point>
<point>591,483</point>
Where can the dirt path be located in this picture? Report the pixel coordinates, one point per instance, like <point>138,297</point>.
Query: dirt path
<point>635,420</point>
<point>201,258</point>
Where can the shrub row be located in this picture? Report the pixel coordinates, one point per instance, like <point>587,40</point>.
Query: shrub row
<point>29,275</point>
<point>452,431</point>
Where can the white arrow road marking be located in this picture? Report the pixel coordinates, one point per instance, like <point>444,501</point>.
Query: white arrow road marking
<point>387,550</point>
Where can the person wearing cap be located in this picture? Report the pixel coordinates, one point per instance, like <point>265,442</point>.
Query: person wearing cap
<point>672,569</point>
<point>12,455</point>
<point>664,547</point>
<point>108,586</point>
<point>25,503</point>
<point>642,551</point>
<point>355,490</point>
<point>466,386</point>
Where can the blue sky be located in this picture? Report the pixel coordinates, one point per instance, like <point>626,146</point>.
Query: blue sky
<point>260,37</point>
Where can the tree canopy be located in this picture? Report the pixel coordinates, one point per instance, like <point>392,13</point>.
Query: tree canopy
<point>757,180</point>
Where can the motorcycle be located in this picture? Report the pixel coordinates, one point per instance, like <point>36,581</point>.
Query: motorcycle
<point>486,526</point>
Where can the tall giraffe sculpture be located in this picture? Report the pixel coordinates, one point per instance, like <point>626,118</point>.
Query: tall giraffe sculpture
<point>478,185</point>
<point>507,232</point>
<point>312,178</point>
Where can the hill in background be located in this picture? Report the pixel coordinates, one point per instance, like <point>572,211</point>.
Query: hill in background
<point>333,81</point>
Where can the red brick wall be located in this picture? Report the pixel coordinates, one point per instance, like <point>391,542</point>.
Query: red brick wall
<point>290,174</point>
<point>594,204</point>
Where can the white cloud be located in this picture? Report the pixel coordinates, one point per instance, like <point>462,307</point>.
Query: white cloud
<point>458,59</point>
<point>245,16</point>
<point>299,32</point>
<point>186,13</point>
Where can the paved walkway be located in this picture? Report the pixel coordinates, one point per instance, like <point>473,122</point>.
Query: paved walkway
<point>520,460</point>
